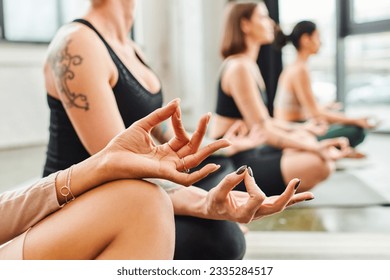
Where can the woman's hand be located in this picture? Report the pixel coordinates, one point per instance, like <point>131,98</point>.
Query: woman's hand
<point>334,106</point>
<point>367,123</point>
<point>241,139</point>
<point>244,207</point>
<point>316,126</point>
<point>334,148</point>
<point>133,153</point>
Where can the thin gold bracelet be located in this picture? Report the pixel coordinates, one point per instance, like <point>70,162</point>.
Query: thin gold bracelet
<point>65,190</point>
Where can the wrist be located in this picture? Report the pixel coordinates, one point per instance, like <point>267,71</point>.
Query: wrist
<point>94,171</point>
<point>110,164</point>
<point>313,147</point>
<point>190,201</point>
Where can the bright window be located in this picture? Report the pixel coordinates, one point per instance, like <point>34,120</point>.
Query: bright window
<point>367,60</point>
<point>24,22</point>
<point>38,20</point>
<point>368,68</point>
<point>370,10</point>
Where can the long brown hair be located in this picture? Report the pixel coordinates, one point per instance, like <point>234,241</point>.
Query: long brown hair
<point>233,37</point>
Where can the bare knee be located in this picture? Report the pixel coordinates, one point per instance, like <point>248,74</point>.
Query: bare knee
<point>144,215</point>
<point>141,197</point>
<point>155,230</point>
<point>138,192</point>
<point>310,168</point>
<point>322,168</point>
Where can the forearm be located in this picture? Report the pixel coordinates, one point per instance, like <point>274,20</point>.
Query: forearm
<point>189,201</point>
<point>186,201</point>
<point>284,125</point>
<point>282,139</point>
<point>83,177</point>
<point>337,117</point>
<point>23,208</point>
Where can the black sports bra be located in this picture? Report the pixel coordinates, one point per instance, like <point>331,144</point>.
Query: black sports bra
<point>227,107</point>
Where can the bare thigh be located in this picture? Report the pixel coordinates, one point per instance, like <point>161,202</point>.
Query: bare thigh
<point>127,219</point>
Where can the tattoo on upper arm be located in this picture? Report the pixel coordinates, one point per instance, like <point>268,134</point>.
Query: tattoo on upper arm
<point>62,63</point>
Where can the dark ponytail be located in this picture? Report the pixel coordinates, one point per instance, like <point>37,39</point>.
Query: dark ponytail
<point>301,28</point>
<point>281,39</point>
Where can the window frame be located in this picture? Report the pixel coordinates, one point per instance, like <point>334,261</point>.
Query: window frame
<point>347,27</point>
<point>353,28</point>
<point>3,37</point>
<point>2,29</point>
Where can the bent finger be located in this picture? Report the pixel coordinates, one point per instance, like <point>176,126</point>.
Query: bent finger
<point>187,179</point>
<point>229,182</point>
<point>288,193</point>
<point>256,195</point>
<point>300,197</point>
<point>181,137</point>
<point>193,160</point>
<point>159,115</point>
<point>196,139</point>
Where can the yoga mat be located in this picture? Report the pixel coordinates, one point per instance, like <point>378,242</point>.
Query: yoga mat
<point>343,189</point>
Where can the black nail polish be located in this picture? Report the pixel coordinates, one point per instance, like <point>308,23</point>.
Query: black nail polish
<point>297,184</point>
<point>250,171</point>
<point>309,199</point>
<point>241,170</point>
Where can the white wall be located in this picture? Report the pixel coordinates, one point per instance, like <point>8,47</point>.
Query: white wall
<point>23,109</point>
<point>180,39</point>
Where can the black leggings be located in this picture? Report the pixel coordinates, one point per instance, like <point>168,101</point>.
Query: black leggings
<point>265,163</point>
<point>207,239</point>
<point>202,239</point>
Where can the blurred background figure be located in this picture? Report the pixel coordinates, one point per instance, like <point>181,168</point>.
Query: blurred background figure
<point>295,100</point>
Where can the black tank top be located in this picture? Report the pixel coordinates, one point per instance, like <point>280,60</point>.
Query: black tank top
<point>227,107</point>
<point>133,100</point>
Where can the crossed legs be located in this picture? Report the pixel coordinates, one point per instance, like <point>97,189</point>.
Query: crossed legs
<point>127,219</point>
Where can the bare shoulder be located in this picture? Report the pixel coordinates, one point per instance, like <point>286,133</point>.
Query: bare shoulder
<point>237,67</point>
<point>75,40</point>
<point>293,73</point>
<point>299,69</point>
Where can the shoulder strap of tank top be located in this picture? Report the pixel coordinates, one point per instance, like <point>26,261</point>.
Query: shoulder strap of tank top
<point>87,23</point>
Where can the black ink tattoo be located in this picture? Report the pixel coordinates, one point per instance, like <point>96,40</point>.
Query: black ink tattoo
<point>61,64</point>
